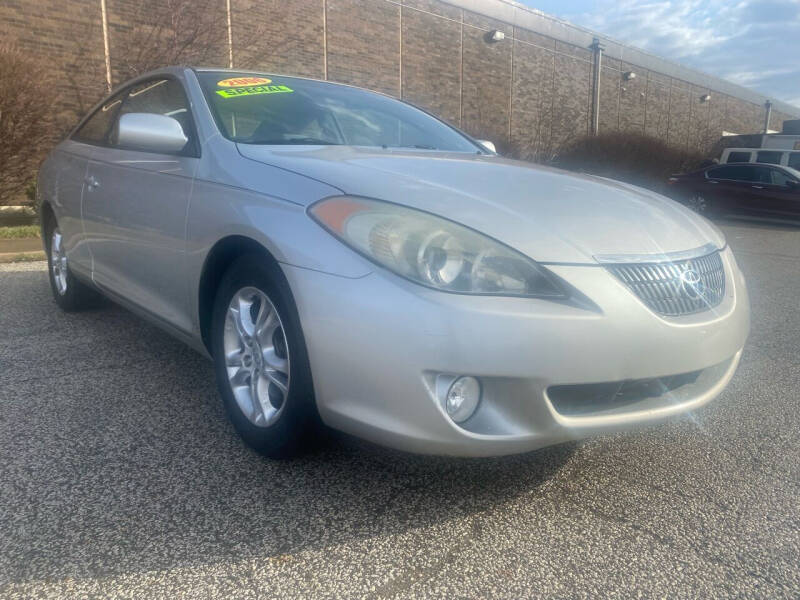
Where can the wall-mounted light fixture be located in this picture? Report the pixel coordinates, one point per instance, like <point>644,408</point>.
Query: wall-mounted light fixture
<point>628,75</point>
<point>705,97</point>
<point>495,36</point>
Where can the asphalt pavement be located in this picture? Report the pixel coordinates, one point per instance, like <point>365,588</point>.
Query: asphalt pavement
<point>121,478</point>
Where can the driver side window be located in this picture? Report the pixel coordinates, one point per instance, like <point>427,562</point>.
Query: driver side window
<point>731,172</point>
<point>761,175</point>
<point>780,178</point>
<point>95,129</point>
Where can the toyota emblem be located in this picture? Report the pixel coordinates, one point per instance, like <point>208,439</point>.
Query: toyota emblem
<point>692,285</point>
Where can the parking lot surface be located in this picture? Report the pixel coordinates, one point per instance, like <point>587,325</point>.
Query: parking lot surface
<point>120,477</point>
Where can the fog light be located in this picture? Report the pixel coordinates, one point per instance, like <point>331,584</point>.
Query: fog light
<point>462,398</point>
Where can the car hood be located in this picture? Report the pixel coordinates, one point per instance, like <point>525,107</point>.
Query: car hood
<point>548,214</point>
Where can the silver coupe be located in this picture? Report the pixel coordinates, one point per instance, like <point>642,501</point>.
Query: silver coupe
<point>349,260</point>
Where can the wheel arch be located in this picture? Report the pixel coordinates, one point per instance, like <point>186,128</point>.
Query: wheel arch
<point>222,254</point>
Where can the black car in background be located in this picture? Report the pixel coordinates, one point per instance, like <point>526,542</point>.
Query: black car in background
<point>744,188</point>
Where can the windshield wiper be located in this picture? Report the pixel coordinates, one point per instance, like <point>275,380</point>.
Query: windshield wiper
<point>417,146</point>
<point>299,141</point>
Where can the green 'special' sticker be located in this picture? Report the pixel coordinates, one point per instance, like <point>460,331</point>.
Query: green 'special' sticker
<point>254,90</point>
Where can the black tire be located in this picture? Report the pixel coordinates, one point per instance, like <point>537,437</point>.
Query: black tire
<point>77,295</point>
<point>293,431</point>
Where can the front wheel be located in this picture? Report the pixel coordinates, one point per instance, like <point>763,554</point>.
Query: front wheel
<point>260,359</point>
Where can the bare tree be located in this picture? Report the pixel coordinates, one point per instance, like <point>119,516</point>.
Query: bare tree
<point>170,32</point>
<point>147,36</point>
<point>26,120</point>
<point>83,74</point>
<point>536,143</point>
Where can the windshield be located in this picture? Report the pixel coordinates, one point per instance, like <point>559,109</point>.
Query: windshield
<point>270,109</point>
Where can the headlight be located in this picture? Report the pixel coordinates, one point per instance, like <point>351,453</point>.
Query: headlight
<point>431,250</point>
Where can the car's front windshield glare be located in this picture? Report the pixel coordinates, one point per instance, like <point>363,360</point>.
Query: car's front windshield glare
<point>268,109</point>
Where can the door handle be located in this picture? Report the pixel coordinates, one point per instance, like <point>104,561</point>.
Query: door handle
<point>757,187</point>
<point>712,181</point>
<point>91,182</point>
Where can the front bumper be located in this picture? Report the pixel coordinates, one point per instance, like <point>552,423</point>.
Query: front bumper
<point>378,345</point>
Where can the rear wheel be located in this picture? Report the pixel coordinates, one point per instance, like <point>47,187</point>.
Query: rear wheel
<point>260,359</point>
<point>69,293</point>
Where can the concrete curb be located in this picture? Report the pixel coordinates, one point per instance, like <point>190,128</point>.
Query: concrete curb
<point>14,210</point>
<point>15,257</point>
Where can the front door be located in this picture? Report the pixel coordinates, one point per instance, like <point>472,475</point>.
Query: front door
<point>70,176</point>
<point>781,197</point>
<point>68,171</point>
<point>134,210</point>
<point>754,198</point>
<point>723,187</point>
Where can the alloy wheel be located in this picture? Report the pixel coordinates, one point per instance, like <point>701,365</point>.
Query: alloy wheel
<point>256,356</point>
<point>698,204</point>
<point>58,261</point>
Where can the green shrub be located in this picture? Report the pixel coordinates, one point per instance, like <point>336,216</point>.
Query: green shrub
<point>19,231</point>
<point>26,120</point>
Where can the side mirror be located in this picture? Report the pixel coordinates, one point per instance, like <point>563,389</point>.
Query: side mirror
<point>151,132</point>
<point>792,184</point>
<point>488,145</point>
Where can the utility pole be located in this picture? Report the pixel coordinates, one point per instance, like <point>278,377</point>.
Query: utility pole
<point>230,33</point>
<point>597,48</point>
<point>106,51</point>
<point>767,115</point>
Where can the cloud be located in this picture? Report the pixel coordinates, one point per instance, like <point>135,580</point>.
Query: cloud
<point>771,11</point>
<point>755,43</point>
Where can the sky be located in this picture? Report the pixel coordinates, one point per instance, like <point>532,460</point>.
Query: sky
<point>755,43</point>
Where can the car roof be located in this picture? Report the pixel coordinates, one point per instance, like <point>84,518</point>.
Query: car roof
<point>180,69</point>
<point>790,170</point>
<point>170,70</point>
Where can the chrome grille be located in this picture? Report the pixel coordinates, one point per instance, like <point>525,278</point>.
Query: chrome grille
<point>674,288</point>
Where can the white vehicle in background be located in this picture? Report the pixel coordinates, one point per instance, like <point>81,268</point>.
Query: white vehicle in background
<point>783,150</point>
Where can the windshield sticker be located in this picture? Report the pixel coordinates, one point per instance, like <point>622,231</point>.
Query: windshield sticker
<point>243,81</point>
<point>254,90</point>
